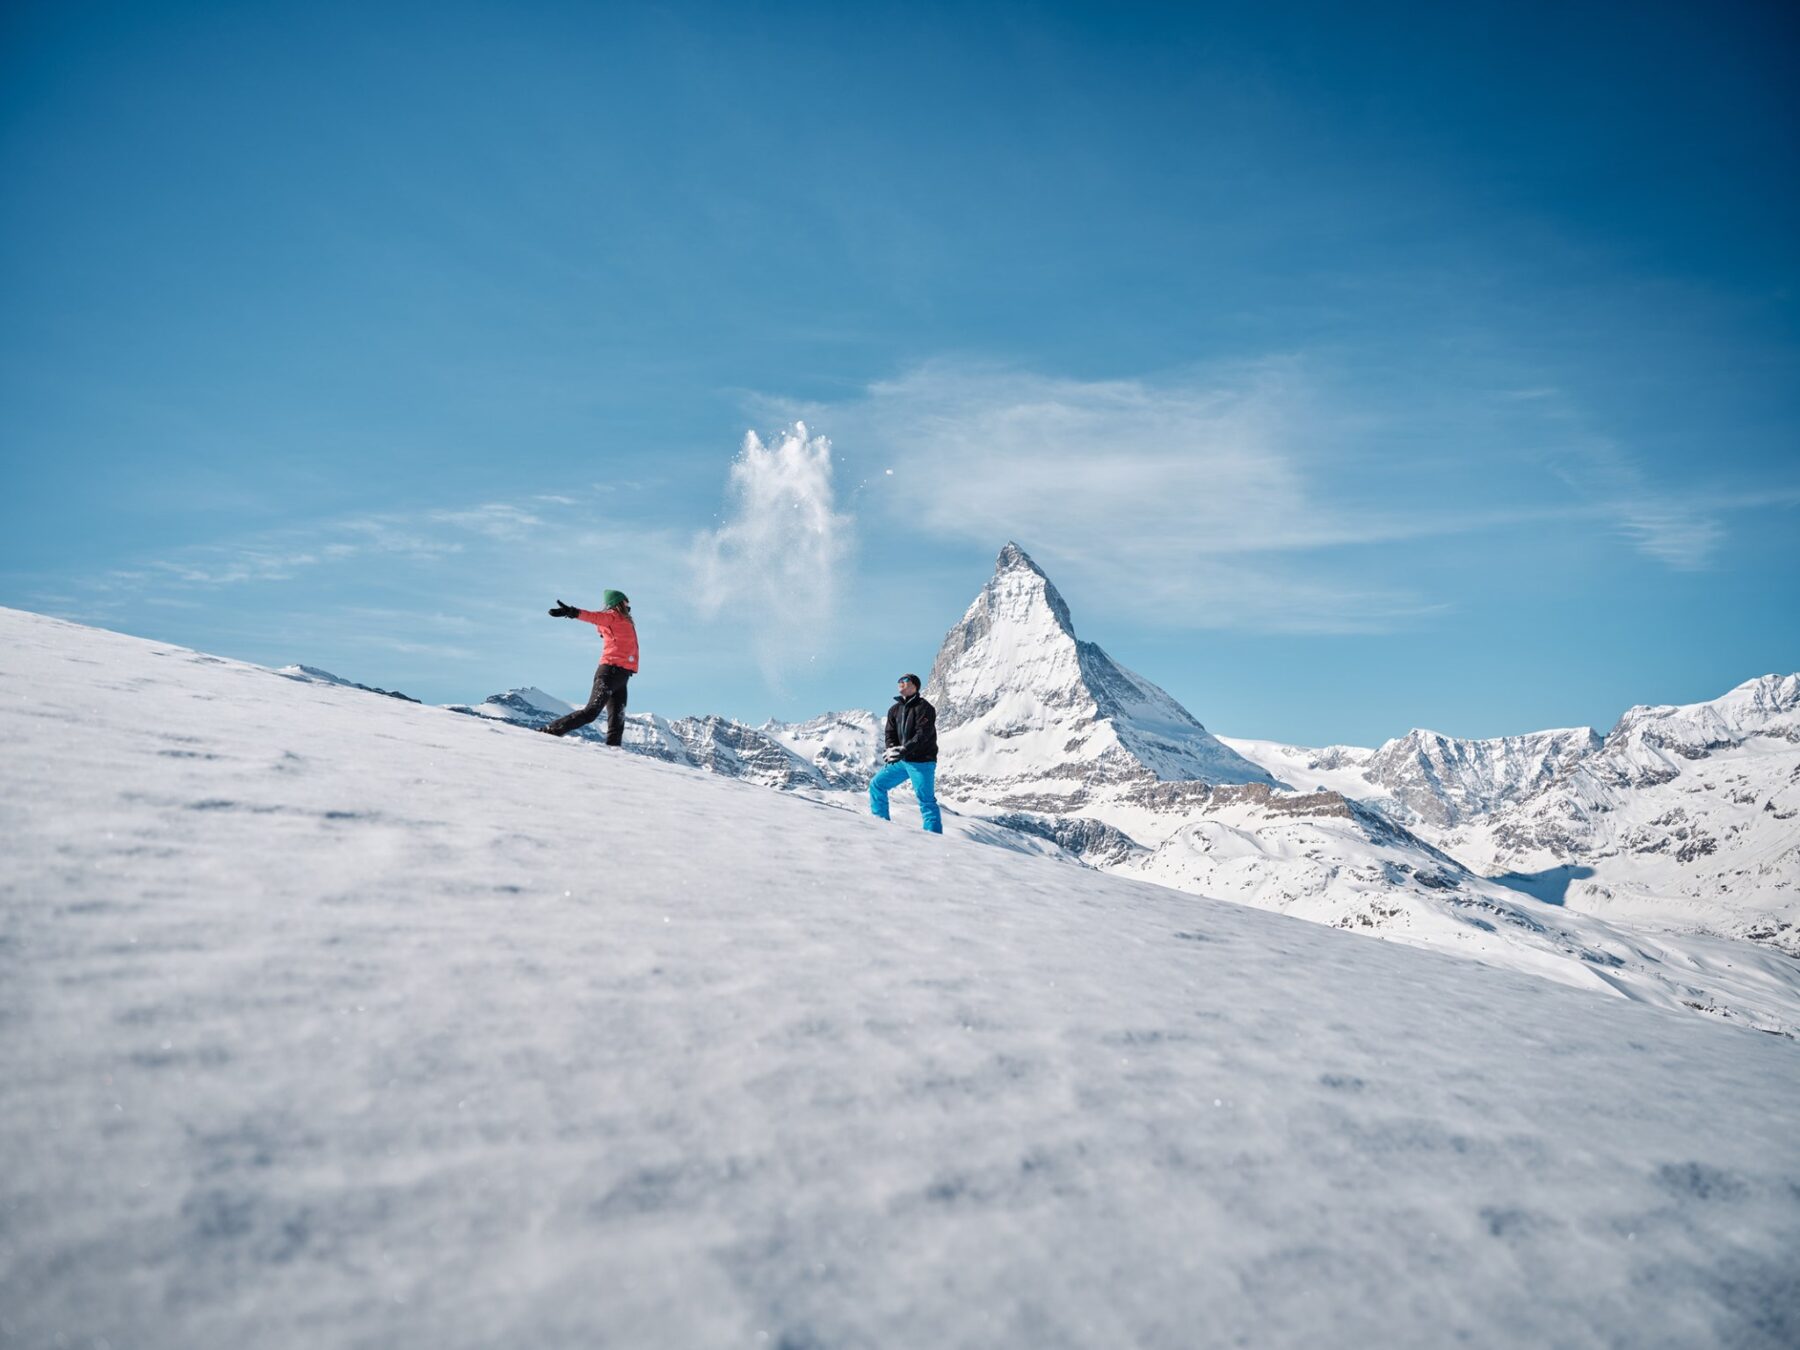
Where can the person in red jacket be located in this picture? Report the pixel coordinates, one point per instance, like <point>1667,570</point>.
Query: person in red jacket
<point>618,663</point>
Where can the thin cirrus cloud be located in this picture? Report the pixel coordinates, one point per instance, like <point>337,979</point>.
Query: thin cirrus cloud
<point>1681,534</point>
<point>1210,498</point>
<point>1179,497</point>
<point>426,536</point>
<point>463,557</point>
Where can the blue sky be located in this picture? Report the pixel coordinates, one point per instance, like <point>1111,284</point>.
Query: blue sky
<point>1348,368</point>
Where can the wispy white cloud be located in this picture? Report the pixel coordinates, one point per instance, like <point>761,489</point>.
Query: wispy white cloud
<point>1164,493</point>
<point>281,555</point>
<point>778,558</point>
<point>1682,531</point>
<point>1210,497</point>
<point>494,520</point>
<point>1676,535</point>
<point>471,559</point>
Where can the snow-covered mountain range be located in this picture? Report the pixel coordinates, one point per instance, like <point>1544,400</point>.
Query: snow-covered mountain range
<point>1567,852</point>
<point>832,753</point>
<point>1681,818</point>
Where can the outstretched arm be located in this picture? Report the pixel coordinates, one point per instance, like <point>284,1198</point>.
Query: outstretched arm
<point>563,611</point>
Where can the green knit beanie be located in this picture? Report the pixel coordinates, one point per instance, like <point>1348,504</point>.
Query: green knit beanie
<point>613,599</point>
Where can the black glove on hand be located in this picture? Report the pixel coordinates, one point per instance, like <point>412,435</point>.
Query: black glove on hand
<point>563,611</point>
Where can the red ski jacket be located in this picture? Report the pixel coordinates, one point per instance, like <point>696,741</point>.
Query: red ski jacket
<point>620,647</point>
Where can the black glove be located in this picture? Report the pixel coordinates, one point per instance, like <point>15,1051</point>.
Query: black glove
<point>563,611</point>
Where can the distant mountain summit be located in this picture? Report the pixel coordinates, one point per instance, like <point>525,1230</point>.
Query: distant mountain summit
<point>1031,717</point>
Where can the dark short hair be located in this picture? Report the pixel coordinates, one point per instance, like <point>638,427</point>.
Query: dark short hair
<point>911,679</point>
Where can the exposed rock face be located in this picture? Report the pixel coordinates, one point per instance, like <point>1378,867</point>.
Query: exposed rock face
<point>1443,781</point>
<point>1666,777</point>
<point>1094,842</point>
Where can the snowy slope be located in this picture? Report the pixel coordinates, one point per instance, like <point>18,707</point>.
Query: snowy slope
<point>331,1020</point>
<point>1337,862</point>
<point>1335,768</point>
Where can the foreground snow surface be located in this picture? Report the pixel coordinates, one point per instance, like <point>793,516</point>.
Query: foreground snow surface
<point>330,1020</point>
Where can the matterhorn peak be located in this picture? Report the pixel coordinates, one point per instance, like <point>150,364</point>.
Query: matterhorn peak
<point>1025,701</point>
<point>1013,557</point>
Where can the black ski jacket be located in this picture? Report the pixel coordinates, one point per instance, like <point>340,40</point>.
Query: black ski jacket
<point>912,725</point>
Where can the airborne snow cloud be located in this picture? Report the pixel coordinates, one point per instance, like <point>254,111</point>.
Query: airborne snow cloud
<point>777,558</point>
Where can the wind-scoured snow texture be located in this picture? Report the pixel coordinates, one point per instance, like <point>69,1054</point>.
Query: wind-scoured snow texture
<point>328,1020</point>
<point>1031,718</point>
<point>777,557</point>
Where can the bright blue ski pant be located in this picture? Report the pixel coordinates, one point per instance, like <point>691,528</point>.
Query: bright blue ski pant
<point>924,783</point>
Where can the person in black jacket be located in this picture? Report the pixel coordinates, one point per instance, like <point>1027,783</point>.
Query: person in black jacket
<point>911,754</point>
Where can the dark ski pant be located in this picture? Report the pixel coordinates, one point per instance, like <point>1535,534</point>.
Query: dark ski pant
<point>609,694</point>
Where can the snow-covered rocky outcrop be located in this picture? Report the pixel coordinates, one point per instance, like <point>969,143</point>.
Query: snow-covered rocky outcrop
<point>1428,781</point>
<point>333,1020</point>
<point>842,746</point>
<point>822,755</point>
